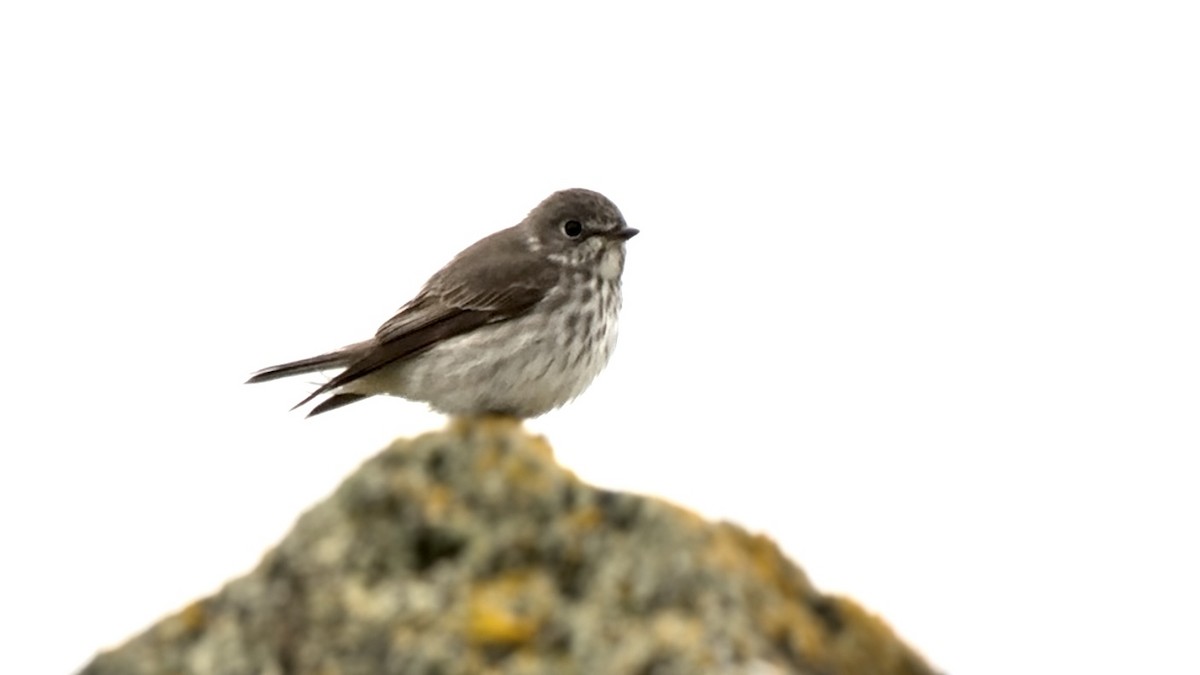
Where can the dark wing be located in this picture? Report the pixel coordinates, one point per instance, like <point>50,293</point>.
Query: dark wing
<point>335,359</point>
<point>495,280</point>
<point>336,401</point>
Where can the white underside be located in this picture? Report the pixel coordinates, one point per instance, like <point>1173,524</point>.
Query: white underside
<point>524,367</point>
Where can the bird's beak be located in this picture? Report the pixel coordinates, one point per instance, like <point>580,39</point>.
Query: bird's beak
<point>624,234</point>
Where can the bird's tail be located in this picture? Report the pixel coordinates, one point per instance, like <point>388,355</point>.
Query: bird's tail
<point>335,359</point>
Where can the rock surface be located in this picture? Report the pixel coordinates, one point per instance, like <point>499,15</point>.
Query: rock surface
<point>471,551</point>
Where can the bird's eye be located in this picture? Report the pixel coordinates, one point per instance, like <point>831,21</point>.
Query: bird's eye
<point>572,228</point>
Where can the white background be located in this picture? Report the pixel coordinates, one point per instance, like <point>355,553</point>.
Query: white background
<point>916,291</point>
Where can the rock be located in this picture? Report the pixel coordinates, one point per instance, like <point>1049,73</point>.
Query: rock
<point>471,551</point>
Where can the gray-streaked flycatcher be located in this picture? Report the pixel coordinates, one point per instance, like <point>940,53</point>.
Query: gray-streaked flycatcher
<point>517,324</point>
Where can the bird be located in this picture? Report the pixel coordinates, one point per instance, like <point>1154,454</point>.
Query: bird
<point>517,324</point>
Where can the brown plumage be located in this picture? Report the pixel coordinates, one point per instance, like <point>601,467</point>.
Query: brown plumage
<point>537,266</point>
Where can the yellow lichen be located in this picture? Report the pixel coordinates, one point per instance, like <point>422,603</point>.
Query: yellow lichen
<point>437,502</point>
<point>491,624</point>
<point>867,642</point>
<point>587,518</point>
<point>509,610</point>
<point>189,621</point>
<point>194,617</point>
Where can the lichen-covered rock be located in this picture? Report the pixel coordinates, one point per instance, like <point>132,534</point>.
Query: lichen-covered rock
<point>472,551</point>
